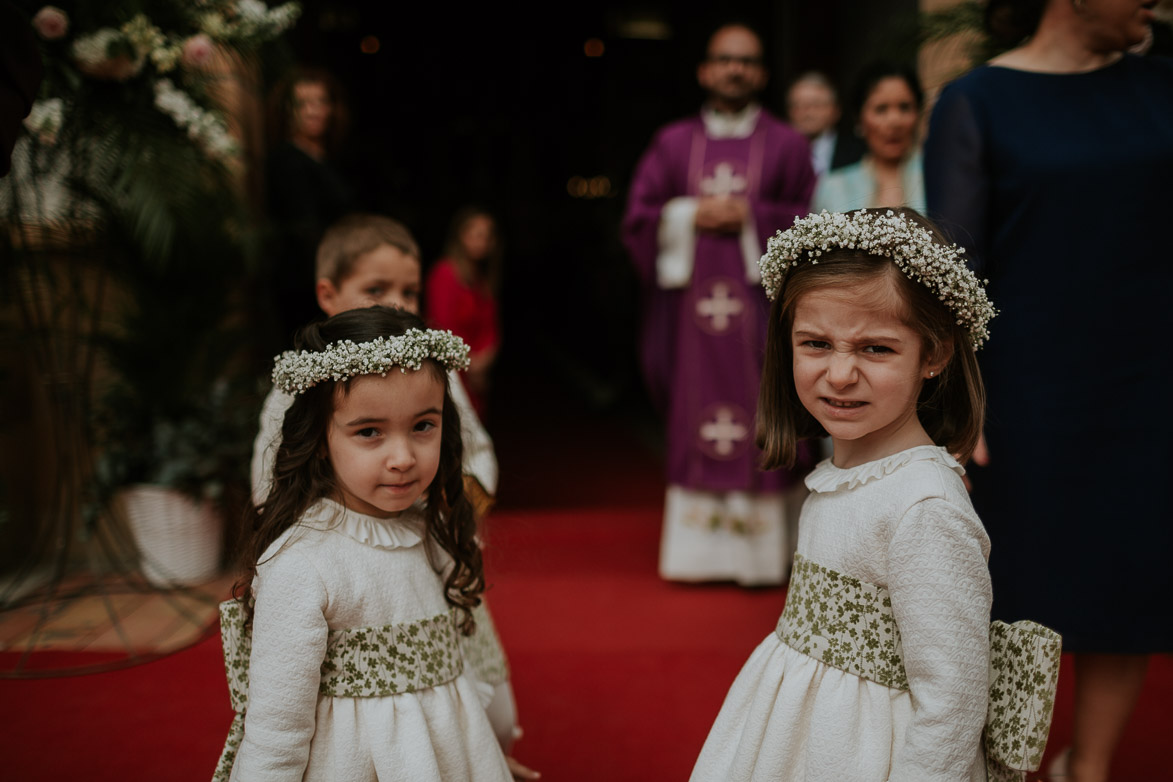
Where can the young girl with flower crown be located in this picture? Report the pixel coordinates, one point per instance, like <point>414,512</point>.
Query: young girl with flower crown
<point>884,664</point>
<point>361,571</point>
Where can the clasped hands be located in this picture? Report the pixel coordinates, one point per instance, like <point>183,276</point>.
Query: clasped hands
<point>721,214</point>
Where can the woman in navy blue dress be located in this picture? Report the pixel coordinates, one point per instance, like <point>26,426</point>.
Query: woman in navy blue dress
<point>1053,165</point>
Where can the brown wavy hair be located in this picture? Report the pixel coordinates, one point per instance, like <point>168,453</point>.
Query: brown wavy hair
<point>951,406</point>
<point>301,477</point>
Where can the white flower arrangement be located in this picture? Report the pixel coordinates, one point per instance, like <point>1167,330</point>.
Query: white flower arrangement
<point>202,126</point>
<point>247,19</point>
<point>297,371</point>
<point>94,55</point>
<point>139,47</point>
<point>939,267</point>
<point>44,120</point>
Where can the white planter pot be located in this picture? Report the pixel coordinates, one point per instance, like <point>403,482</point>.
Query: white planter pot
<point>178,538</point>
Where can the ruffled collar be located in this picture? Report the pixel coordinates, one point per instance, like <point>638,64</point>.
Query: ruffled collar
<point>403,531</point>
<point>826,477</point>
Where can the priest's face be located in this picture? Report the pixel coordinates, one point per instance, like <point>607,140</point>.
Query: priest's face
<point>733,72</point>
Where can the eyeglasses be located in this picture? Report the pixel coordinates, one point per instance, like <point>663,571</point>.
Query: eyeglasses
<point>728,59</point>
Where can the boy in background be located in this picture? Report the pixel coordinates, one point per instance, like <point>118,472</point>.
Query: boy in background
<point>364,260</point>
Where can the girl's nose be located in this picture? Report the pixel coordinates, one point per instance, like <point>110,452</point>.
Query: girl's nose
<point>841,369</point>
<point>400,455</point>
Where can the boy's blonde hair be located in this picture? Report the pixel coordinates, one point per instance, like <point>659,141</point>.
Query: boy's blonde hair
<point>356,235</point>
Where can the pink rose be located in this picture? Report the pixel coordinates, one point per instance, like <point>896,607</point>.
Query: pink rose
<point>197,51</point>
<point>51,23</point>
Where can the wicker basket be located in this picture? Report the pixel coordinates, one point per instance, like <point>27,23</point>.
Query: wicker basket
<point>178,538</point>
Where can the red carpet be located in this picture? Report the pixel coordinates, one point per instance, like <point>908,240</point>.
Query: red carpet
<point>618,675</point>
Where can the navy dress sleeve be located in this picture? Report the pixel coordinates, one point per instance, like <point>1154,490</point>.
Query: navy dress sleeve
<point>957,185</point>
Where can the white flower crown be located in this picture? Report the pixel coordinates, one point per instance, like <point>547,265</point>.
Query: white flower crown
<point>892,235</point>
<point>294,371</point>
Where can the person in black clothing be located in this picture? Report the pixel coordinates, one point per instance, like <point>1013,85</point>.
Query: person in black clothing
<point>306,190</point>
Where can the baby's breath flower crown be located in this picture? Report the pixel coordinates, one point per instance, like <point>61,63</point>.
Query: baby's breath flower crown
<point>295,372</point>
<point>893,235</point>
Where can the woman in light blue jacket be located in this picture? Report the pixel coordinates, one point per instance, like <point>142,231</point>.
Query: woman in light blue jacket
<point>888,103</point>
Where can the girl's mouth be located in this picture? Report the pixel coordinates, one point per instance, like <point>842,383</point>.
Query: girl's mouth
<point>843,403</point>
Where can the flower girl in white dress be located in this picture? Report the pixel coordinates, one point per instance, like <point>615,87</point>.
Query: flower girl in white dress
<point>881,667</point>
<point>361,572</point>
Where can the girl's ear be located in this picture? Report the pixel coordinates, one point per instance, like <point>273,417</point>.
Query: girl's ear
<point>938,359</point>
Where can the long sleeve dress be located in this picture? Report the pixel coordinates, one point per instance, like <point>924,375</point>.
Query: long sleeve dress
<point>484,649</point>
<point>903,527</point>
<point>340,583</point>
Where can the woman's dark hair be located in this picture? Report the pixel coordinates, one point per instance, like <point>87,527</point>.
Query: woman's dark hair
<point>301,476</point>
<point>280,106</point>
<point>951,406</point>
<point>874,73</point>
<point>1009,22</point>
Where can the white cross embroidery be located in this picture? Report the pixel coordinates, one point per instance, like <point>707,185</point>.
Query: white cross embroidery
<point>720,306</point>
<point>723,182</point>
<point>724,432</point>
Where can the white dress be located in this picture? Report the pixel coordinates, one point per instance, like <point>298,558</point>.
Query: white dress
<point>480,461</point>
<point>903,523</point>
<point>339,570</point>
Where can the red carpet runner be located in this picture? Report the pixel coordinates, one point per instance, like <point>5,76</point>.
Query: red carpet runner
<point>617,674</point>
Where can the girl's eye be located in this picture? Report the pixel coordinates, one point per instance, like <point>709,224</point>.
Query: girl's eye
<point>876,349</point>
<point>816,344</point>
<point>425,426</point>
<point>367,432</point>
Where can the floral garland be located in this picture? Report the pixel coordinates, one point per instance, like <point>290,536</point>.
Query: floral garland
<point>162,58</point>
<point>202,126</point>
<point>892,235</point>
<point>295,372</point>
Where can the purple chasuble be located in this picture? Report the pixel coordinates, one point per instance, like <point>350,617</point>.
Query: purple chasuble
<point>702,345</point>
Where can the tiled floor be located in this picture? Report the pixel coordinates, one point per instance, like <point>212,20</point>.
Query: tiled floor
<point>112,615</point>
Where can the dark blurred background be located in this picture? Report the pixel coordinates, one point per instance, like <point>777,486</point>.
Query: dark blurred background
<point>540,113</point>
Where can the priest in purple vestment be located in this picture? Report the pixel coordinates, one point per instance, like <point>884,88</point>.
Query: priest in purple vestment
<point>706,195</point>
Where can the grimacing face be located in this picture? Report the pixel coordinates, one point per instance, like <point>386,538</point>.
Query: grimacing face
<point>859,368</point>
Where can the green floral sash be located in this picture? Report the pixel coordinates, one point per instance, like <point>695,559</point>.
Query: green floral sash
<point>848,624</point>
<point>483,650</point>
<point>360,662</point>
